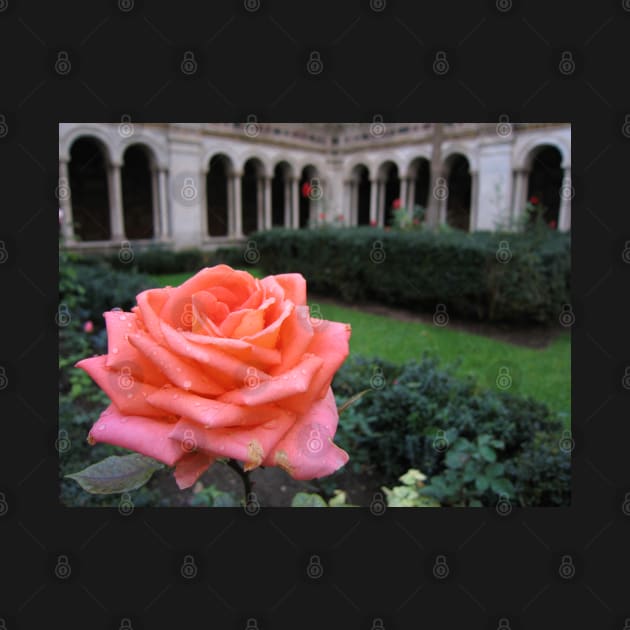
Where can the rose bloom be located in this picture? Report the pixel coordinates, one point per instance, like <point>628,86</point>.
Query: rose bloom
<point>534,200</point>
<point>88,326</point>
<point>306,189</point>
<point>396,204</point>
<point>223,366</point>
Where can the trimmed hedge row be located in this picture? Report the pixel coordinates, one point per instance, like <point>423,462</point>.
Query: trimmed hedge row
<point>422,269</point>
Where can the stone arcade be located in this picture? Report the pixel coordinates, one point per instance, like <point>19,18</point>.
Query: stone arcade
<point>202,185</point>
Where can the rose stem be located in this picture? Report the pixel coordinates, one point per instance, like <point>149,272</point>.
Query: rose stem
<point>244,475</point>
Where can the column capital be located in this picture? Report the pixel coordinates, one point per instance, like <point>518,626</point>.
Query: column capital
<point>236,174</point>
<point>114,164</point>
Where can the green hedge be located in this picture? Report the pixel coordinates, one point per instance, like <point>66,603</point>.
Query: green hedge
<point>422,269</point>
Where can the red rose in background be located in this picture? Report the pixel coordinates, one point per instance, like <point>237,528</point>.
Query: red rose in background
<point>553,225</point>
<point>534,200</point>
<point>306,189</point>
<point>372,222</point>
<point>396,204</point>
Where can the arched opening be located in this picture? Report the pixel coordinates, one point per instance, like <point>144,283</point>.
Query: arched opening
<point>391,186</point>
<point>459,188</point>
<point>87,172</point>
<point>545,181</point>
<point>137,192</point>
<point>252,196</point>
<point>419,181</point>
<point>280,191</point>
<point>217,197</point>
<point>361,176</point>
<point>310,193</point>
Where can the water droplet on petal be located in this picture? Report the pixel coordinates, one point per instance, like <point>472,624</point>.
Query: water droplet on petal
<point>187,384</point>
<point>115,350</point>
<point>101,427</point>
<point>123,318</point>
<point>175,396</point>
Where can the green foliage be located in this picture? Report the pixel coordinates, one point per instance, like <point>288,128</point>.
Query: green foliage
<point>311,499</point>
<point>474,444</point>
<point>420,269</point>
<point>473,474</point>
<point>409,494</point>
<point>211,496</point>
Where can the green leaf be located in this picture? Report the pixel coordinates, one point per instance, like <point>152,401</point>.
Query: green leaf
<point>482,483</point>
<point>116,474</point>
<point>487,453</point>
<point>502,486</point>
<point>494,470</point>
<point>308,499</point>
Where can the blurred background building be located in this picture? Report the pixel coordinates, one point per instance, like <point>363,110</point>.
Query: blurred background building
<point>202,185</point>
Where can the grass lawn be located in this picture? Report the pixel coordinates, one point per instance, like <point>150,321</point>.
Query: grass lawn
<point>544,374</point>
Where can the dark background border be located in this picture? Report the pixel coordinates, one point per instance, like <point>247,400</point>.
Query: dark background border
<point>503,59</point>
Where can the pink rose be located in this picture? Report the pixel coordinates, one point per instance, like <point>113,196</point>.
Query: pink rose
<point>225,365</point>
<point>88,326</point>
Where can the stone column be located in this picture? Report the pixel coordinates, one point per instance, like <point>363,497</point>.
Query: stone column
<point>404,189</point>
<point>287,201</point>
<point>442,203</point>
<point>203,204</point>
<point>295,202</point>
<point>381,203</point>
<point>237,179</point>
<point>354,202</point>
<point>164,204</point>
<point>260,202</point>
<point>65,202</point>
<point>564,214</point>
<point>155,202</point>
<point>230,205</point>
<point>267,213</point>
<point>474,200</point>
<point>373,201</point>
<point>520,192</point>
<point>411,193</point>
<point>116,219</point>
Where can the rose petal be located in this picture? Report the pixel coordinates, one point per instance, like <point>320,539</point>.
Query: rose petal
<point>147,436</point>
<point>295,336</point>
<point>227,371</point>
<point>127,392</point>
<point>121,354</point>
<point>268,337</point>
<point>307,450</point>
<point>177,370</point>
<point>294,285</point>
<point>249,445</point>
<point>150,305</point>
<point>190,467</point>
<point>261,358</point>
<point>208,413</point>
<point>276,388</point>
